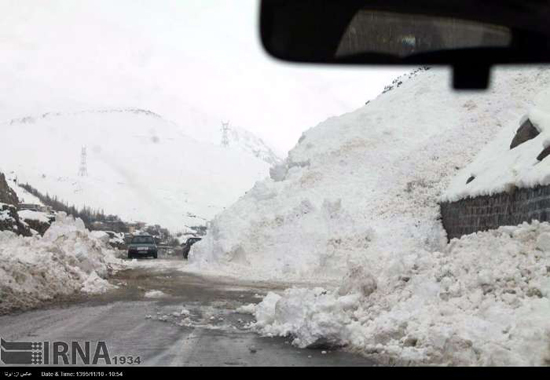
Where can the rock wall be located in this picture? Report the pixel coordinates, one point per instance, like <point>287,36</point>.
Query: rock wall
<point>37,225</point>
<point>489,212</point>
<point>7,195</point>
<point>9,219</point>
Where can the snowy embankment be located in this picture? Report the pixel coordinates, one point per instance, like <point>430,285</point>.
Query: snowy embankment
<point>66,260</point>
<point>483,300</point>
<point>355,205</point>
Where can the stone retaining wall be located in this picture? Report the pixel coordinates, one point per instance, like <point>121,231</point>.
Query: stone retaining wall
<point>488,212</point>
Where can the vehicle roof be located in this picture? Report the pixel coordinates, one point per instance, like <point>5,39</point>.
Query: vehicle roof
<point>143,236</point>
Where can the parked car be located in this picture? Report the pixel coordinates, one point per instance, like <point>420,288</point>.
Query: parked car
<point>187,246</point>
<point>142,246</point>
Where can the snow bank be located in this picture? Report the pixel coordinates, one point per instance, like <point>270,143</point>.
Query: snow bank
<point>66,260</point>
<point>114,239</point>
<point>355,206</point>
<point>154,294</point>
<point>498,168</point>
<point>101,236</point>
<point>483,300</point>
<point>365,185</point>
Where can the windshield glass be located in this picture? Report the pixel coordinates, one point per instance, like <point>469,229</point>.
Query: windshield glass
<point>143,240</point>
<point>355,215</point>
<point>403,34</point>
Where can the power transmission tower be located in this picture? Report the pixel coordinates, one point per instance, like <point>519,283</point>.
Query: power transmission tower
<point>225,133</point>
<point>83,170</point>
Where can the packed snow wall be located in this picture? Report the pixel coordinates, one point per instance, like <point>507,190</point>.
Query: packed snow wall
<point>366,186</point>
<point>353,217</point>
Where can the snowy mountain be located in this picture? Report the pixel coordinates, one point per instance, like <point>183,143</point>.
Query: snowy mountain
<point>243,140</point>
<point>139,166</point>
<point>355,207</point>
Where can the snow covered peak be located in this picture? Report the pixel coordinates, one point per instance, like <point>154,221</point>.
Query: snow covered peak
<point>47,115</point>
<point>139,166</point>
<point>245,141</point>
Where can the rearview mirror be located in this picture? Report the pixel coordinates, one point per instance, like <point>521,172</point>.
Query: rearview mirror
<point>469,35</point>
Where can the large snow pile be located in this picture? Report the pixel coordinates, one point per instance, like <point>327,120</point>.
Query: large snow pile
<point>355,206</point>
<point>140,166</point>
<point>66,260</point>
<point>114,239</point>
<point>482,300</point>
<point>365,185</point>
<point>498,168</point>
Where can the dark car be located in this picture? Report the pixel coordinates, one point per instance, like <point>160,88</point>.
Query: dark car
<point>187,246</point>
<point>142,246</point>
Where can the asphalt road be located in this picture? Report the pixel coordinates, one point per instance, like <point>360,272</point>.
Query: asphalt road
<point>209,333</point>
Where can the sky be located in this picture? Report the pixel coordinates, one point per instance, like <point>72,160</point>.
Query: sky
<point>195,62</point>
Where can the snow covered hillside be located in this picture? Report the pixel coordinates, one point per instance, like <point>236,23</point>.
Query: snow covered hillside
<point>357,200</point>
<point>140,166</point>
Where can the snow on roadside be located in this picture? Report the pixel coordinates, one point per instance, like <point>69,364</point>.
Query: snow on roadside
<point>483,300</point>
<point>246,309</point>
<point>355,205</point>
<point>154,294</point>
<point>66,260</point>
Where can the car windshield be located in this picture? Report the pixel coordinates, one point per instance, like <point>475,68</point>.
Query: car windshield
<point>354,214</point>
<point>143,240</point>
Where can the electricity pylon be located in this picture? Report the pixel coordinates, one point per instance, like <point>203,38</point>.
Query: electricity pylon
<point>225,133</point>
<point>83,170</point>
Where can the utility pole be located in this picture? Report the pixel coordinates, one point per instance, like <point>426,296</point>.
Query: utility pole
<point>225,133</point>
<point>83,170</point>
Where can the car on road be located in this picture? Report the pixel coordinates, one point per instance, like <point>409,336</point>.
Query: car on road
<point>187,246</point>
<point>142,246</point>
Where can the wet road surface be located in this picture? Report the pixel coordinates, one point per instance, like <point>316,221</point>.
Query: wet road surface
<point>171,318</point>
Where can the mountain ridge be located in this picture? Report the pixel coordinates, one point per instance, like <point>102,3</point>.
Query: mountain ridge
<point>140,166</point>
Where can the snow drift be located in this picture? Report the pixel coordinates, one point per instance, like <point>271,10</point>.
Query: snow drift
<point>355,205</point>
<point>66,260</point>
<point>482,300</point>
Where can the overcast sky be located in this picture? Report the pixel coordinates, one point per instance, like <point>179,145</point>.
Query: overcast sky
<point>196,62</point>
